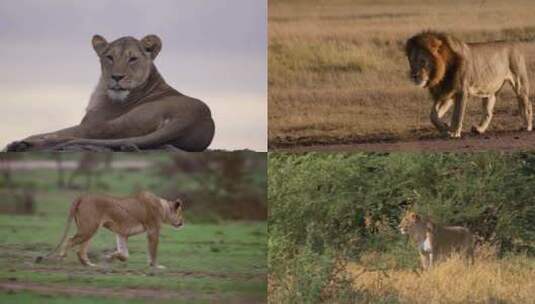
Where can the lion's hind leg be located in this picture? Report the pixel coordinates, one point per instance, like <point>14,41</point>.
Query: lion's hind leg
<point>526,110</point>
<point>82,254</point>
<point>83,241</point>
<point>520,84</point>
<point>65,247</point>
<point>81,238</point>
<point>488,111</point>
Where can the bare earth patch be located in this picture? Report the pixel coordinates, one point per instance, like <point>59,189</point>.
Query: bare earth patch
<point>123,293</point>
<point>493,141</point>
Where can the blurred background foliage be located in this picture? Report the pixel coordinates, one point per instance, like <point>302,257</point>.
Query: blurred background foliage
<point>328,207</point>
<point>215,185</point>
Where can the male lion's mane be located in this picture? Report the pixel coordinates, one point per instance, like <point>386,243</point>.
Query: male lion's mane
<point>448,55</point>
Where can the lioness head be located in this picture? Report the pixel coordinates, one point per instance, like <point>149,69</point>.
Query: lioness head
<point>411,223</point>
<point>425,59</point>
<point>173,215</point>
<point>125,63</point>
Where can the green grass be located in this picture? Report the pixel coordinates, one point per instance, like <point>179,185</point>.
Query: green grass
<point>122,182</point>
<point>226,260</point>
<point>31,298</point>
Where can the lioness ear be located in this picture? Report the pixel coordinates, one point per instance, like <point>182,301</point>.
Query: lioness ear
<point>99,44</point>
<point>414,216</point>
<point>152,44</point>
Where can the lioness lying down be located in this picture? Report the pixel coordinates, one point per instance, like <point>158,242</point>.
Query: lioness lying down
<point>436,242</point>
<point>132,107</point>
<point>144,212</point>
<point>452,70</point>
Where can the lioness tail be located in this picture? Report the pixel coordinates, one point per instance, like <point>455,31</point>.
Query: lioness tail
<point>70,217</point>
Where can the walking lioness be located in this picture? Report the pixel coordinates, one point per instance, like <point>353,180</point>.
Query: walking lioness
<point>132,107</point>
<point>452,70</point>
<point>436,242</point>
<point>144,212</point>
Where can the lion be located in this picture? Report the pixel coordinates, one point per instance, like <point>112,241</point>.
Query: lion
<point>132,107</point>
<point>453,70</point>
<point>126,216</point>
<point>436,242</point>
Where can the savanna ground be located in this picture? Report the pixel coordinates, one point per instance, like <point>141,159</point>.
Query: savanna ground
<point>210,260</point>
<point>334,237</point>
<point>338,75</point>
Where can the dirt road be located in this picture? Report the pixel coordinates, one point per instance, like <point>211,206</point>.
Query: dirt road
<point>497,141</point>
<point>123,293</point>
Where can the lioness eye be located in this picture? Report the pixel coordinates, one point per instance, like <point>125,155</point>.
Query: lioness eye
<point>110,58</point>
<point>132,59</point>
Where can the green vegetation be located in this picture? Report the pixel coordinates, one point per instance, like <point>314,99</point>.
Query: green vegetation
<point>33,298</point>
<point>333,220</point>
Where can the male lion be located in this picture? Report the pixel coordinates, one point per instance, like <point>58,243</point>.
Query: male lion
<point>144,212</point>
<point>436,242</point>
<point>452,70</point>
<point>132,106</point>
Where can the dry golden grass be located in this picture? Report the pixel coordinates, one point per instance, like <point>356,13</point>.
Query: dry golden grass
<point>337,71</point>
<point>489,280</point>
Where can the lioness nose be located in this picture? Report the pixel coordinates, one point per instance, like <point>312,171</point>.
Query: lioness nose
<point>117,77</point>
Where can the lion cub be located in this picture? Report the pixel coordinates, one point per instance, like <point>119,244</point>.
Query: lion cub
<point>436,242</point>
<point>144,212</point>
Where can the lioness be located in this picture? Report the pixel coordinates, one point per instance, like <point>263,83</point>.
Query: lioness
<point>132,106</point>
<point>144,212</point>
<point>436,242</point>
<point>452,70</point>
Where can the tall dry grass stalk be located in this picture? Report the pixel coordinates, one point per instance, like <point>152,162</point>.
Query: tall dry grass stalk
<point>489,280</point>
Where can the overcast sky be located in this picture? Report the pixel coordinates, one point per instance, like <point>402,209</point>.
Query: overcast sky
<point>214,50</point>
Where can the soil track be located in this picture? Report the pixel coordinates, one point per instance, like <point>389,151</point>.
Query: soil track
<point>123,293</point>
<point>181,274</point>
<point>507,141</point>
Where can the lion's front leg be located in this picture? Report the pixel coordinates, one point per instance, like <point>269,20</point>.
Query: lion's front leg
<point>458,115</point>
<point>33,144</point>
<point>122,249</point>
<point>431,260</point>
<point>42,141</point>
<point>424,260</point>
<point>153,237</point>
<point>440,108</point>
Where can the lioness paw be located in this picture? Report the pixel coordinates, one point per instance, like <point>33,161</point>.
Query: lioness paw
<point>454,134</point>
<point>18,146</point>
<point>129,148</point>
<point>477,130</point>
<point>156,266</point>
